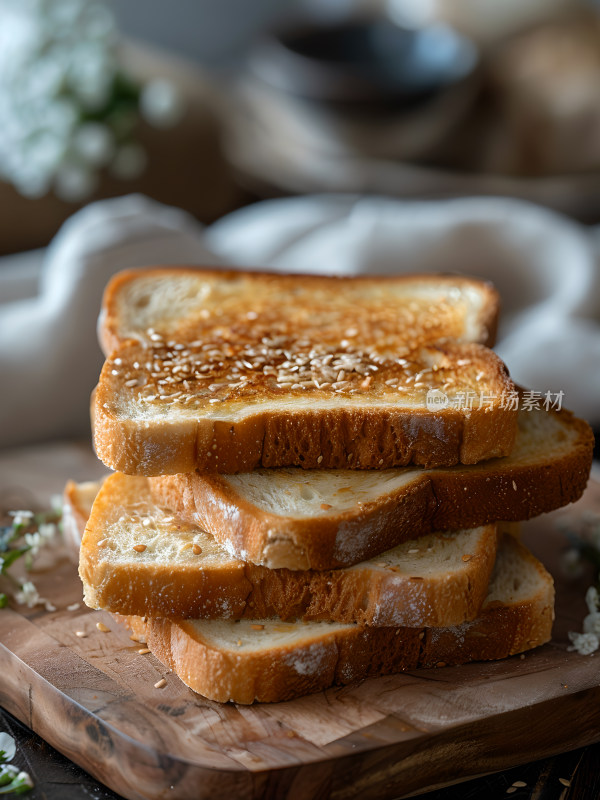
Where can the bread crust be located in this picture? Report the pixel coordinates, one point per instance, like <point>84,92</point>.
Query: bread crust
<point>372,594</point>
<point>347,654</point>
<point>514,488</point>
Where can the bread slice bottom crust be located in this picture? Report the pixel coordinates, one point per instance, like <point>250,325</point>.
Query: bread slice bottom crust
<point>270,661</point>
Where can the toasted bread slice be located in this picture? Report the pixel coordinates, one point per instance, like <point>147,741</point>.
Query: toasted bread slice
<point>322,519</point>
<point>267,660</point>
<point>182,303</point>
<point>137,558</point>
<point>229,371</point>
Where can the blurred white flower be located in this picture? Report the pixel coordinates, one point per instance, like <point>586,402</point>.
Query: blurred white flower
<point>7,746</point>
<point>94,144</point>
<point>21,517</point>
<point>67,109</point>
<point>592,599</point>
<point>591,623</point>
<point>24,779</point>
<point>28,595</point>
<point>47,531</point>
<point>33,541</point>
<point>584,643</point>
<point>161,104</point>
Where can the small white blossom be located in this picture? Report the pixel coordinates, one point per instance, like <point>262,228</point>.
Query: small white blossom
<point>21,517</point>
<point>28,595</point>
<point>34,542</point>
<point>24,779</point>
<point>47,530</point>
<point>592,599</point>
<point>7,745</point>
<point>161,104</point>
<point>591,623</point>
<point>584,643</point>
<point>94,144</point>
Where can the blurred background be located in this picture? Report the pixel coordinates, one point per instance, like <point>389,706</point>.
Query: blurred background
<point>338,136</point>
<point>211,104</point>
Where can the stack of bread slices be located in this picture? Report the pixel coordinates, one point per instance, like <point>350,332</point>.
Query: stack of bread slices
<point>318,478</point>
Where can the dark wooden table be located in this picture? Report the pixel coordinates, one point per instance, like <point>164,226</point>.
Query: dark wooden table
<point>33,474</point>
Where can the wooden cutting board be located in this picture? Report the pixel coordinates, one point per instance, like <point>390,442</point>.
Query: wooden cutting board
<point>94,699</point>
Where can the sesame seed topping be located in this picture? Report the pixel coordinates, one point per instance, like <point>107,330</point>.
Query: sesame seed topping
<point>102,627</point>
<point>160,684</point>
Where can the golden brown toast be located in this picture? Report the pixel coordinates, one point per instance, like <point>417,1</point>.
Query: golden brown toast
<point>229,371</point>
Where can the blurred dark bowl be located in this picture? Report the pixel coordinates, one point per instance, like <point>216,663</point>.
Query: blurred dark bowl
<point>371,61</point>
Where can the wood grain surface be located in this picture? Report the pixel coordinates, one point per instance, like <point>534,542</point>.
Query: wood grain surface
<point>93,698</point>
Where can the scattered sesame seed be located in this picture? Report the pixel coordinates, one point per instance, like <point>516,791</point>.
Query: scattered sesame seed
<point>319,459</point>
<point>102,627</point>
<point>160,684</point>
<point>73,607</point>
<point>81,634</point>
<point>326,506</point>
<point>196,549</point>
<point>143,650</point>
<point>467,557</point>
<point>519,784</point>
<point>139,548</point>
<point>564,781</point>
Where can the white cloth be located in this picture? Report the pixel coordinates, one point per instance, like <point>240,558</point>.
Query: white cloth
<point>545,267</point>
